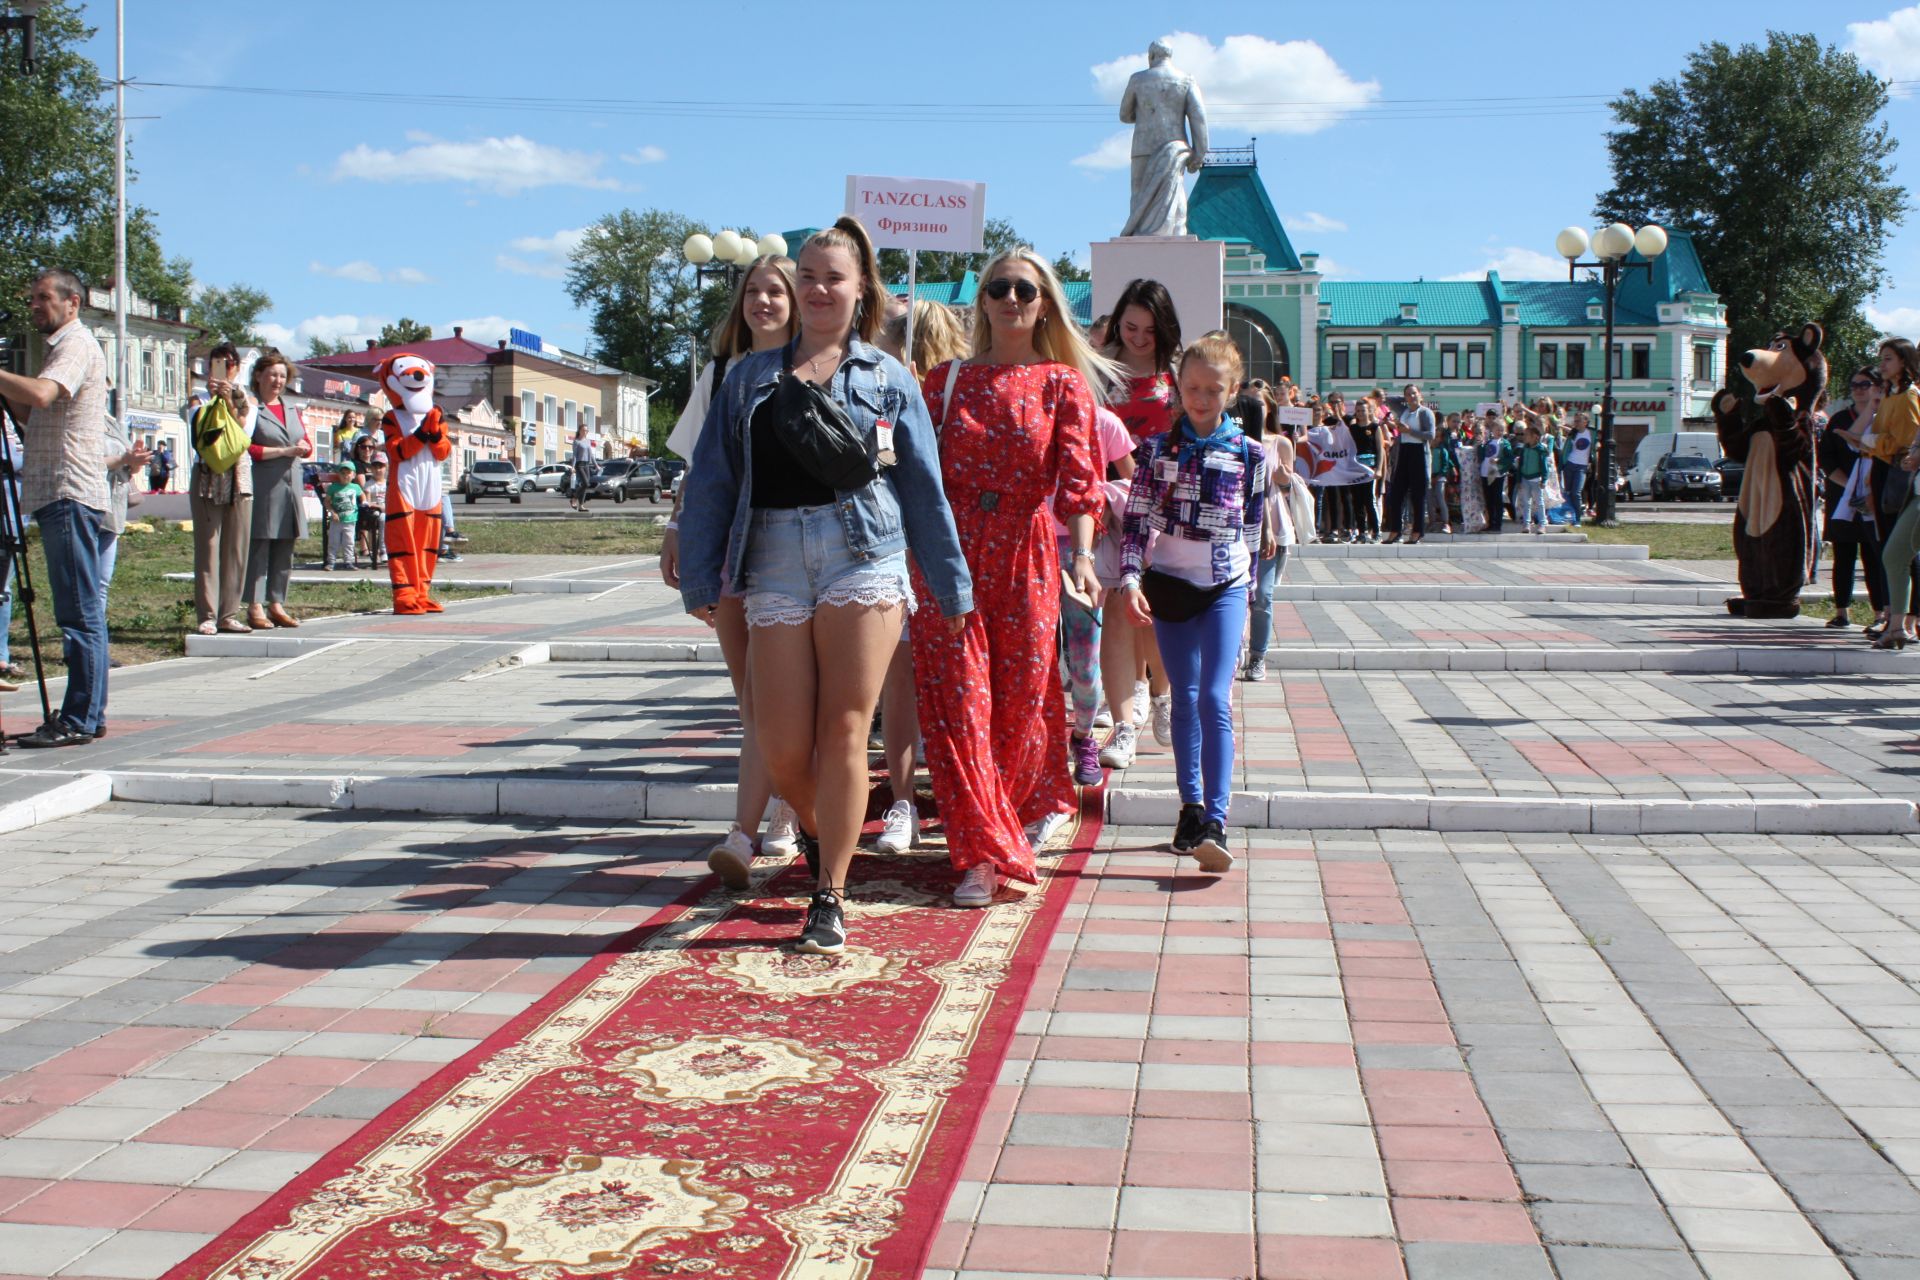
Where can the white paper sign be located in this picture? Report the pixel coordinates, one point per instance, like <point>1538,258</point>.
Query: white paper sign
<point>1293,416</point>
<point>1487,406</point>
<point>920,213</point>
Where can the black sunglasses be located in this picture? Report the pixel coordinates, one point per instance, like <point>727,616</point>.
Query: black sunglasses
<point>1025,290</point>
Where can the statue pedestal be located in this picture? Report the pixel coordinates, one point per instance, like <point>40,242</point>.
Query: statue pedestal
<point>1193,270</point>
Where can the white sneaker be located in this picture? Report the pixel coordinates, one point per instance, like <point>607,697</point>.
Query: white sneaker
<point>783,833</point>
<point>899,828</point>
<point>1103,718</point>
<point>977,887</point>
<point>732,858</point>
<point>1039,833</point>
<point>1118,753</point>
<point>1142,699</point>
<point>1163,719</point>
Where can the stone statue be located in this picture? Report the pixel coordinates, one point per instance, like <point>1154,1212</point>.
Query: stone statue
<point>1169,136</point>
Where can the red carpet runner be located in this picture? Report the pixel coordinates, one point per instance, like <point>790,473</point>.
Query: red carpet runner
<point>697,1100</point>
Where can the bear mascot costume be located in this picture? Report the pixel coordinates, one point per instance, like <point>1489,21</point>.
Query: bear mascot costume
<point>416,443</point>
<point>1773,533</point>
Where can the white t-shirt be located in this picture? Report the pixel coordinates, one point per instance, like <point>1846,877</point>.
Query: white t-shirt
<point>1580,449</point>
<point>686,432</point>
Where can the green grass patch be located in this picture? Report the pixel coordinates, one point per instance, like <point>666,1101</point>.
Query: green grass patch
<point>148,617</point>
<point>1670,541</point>
<point>584,536</point>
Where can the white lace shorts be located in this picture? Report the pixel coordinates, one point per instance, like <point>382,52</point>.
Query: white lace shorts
<point>797,560</point>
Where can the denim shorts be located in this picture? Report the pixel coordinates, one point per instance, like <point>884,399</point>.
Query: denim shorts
<point>797,560</point>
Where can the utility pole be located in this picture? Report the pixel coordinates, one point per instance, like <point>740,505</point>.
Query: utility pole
<point>121,285</point>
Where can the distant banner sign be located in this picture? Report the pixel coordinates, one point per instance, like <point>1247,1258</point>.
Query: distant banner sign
<point>920,213</point>
<point>1293,416</point>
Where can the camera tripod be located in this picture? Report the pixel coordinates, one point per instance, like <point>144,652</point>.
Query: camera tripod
<point>13,546</point>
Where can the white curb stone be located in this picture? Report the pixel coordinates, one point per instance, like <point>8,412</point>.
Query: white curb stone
<point>426,795</point>
<point>574,798</point>
<point>695,801</point>
<point>88,791</point>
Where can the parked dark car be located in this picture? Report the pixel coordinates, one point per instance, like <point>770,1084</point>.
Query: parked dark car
<point>625,478</point>
<point>491,478</point>
<point>1731,473</point>
<point>1683,476</point>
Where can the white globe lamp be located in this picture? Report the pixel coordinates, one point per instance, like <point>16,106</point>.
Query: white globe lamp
<point>772,245</point>
<point>1651,241</point>
<point>726,246</point>
<point>698,249</point>
<point>1614,241</point>
<point>1571,243</point>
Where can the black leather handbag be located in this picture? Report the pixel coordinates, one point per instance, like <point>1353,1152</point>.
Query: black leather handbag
<point>818,433</point>
<point>1895,489</point>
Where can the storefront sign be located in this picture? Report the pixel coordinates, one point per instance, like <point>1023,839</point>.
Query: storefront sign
<point>920,213</point>
<point>1640,406</point>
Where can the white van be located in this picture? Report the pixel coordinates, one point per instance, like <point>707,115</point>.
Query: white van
<point>1654,450</point>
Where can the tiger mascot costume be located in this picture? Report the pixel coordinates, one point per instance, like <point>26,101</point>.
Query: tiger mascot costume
<point>416,444</point>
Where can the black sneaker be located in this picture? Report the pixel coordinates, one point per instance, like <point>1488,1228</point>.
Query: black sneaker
<point>826,931</point>
<point>1211,851</point>
<point>54,733</point>
<point>1186,832</point>
<point>1840,621</point>
<point>810,847</point>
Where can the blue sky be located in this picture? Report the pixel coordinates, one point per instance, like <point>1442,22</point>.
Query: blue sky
<point>1443,138</point>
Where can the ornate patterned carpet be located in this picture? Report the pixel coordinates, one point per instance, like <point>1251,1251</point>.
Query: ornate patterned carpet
<point>697,1100</point>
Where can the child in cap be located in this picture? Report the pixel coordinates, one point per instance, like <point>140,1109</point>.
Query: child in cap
<point>344,497</point>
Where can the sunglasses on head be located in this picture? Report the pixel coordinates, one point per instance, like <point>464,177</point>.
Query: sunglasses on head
<point>1025,290</point>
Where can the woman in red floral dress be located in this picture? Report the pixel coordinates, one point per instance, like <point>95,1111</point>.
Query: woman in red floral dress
<point>1015,424</point>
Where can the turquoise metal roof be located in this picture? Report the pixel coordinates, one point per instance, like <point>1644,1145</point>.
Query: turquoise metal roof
<point>1230,202</point>
<point>1461,303</point>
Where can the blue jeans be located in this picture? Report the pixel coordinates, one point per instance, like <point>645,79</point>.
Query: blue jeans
<point>1574,481</point>
<point>1198,656</point>
<point>798,560</point>
<point>1533,503</point>
<point>1260,609</point>
<point>74,539</point>
<point>6,606</point>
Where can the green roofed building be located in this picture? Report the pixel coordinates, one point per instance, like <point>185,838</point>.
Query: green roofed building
<point>1465,342</point>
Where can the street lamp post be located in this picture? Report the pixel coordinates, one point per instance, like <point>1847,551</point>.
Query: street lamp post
<point>24,24</point>
<point>724,254</point>
<point>1610,245</point>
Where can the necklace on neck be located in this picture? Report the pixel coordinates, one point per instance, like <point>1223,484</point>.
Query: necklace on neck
<point>813,365</point>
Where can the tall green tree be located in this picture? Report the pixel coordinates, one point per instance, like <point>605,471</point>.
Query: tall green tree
<point>88,249</point>
<point>231,314</point>
<point>403,331</point>
<point>1775,158</point>
<point>318,346</point>
<point>56,149</point>
<point>648,309</point>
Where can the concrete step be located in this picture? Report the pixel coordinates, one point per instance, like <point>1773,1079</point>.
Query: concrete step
<point>1546,547</point>
<point>638,800</point>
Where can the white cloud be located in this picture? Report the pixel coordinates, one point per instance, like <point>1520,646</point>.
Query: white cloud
<point>367,273</point>
<point>1332,270</point>
<point>1889,46</point>
<point>1115,153</point>
<point>482,329</point>
<point>1314,222</point>
<point>1253,83</point>
<point>504,166</point>
<point>1516,263</point>
<point>541,255</point>
<point>1901,321</point>
<point>645,155</point>
<point>332,328</point>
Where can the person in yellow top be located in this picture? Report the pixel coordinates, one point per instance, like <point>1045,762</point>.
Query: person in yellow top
<point>1895,449</point>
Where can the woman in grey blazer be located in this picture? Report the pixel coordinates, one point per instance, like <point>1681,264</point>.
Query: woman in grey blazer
<point>280,441</point>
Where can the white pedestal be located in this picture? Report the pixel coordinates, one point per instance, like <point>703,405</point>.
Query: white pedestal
<point>1193,270</point>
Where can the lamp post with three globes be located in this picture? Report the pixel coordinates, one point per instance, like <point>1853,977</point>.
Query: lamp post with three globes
<point>1610,245</point>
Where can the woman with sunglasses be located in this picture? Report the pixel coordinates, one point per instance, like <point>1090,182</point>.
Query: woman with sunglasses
<point>815,472</point>
<point>1847,524</point>
<point>1015,425</point>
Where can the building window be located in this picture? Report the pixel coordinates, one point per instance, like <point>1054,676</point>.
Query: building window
<point>1642,360</point>
<point>1262,348</point>
<point>1549,361</point>
<point>467,458</point>
<point>1576,359</point>
<point>146,371</point>
<point>1618,351</point>
<point>1449,359</point>
<point>1340,360</point>
<point>526,407</point>
<point>170,376</point>
<point>587,416</point>
<point>1406,362</point>
<point>1476,360</point>
<point>571,418</point>
<point>1368,354</point>
<point>1703,364</point>
<point>551,407</point>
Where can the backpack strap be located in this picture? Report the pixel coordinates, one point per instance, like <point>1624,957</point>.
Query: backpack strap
<point>946,396</point>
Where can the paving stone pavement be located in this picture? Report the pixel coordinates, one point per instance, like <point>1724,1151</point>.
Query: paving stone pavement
<point>1399,1055</point>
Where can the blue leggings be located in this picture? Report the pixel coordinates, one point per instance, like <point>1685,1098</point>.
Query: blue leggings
<point>1199,657</point>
